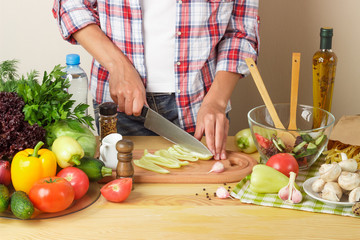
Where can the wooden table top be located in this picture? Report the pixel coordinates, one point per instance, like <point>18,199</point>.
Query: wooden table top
<point>174,211</point>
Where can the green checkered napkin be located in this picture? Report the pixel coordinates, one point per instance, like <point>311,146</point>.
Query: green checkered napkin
<point>242,192</point>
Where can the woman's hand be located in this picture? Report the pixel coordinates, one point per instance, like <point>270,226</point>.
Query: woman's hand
<point>126,86</point>
<point>127,89</point>
<point>211,119</point>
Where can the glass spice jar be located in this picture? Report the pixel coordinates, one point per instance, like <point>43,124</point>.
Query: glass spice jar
<point>108,119</point>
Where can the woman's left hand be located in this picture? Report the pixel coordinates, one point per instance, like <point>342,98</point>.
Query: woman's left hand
<point>212,121</point>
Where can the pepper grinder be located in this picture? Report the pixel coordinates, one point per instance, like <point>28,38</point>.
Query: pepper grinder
<point>124,168</point>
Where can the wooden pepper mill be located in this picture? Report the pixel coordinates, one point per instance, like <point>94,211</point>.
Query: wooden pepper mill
<point>124,168</point>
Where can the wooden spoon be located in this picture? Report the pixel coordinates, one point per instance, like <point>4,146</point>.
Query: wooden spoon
<point>285,136</point>
<point>295,72</point>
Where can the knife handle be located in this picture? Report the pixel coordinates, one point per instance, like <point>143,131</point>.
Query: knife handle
<point>144,111</point>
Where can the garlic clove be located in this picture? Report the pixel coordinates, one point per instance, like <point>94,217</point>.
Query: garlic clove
<point>221,192</point>
<point>332,192</point>
<point>284,193</point>
<point>349,181</point>
<point>218,167</point>
<point>318,185</point>
<point>349,165</point>
<point>330,172</point>
<point>354,195</point>
<point>296,196</point>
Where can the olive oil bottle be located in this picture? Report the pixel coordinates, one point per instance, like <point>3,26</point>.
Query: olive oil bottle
<point>324,68</point>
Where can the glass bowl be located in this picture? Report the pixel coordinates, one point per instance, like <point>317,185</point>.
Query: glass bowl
<point>306,144</point>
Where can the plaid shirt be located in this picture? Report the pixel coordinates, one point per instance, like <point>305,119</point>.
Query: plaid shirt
<point>210,35</point>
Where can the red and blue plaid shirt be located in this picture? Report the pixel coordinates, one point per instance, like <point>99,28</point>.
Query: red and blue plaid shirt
<point>210,35</point>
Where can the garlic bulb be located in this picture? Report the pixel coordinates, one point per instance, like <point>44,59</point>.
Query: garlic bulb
<point>354,195</point>
<point>349,181</point>
<point>318,185</point>
<point>349,165</point>
<point>330,172</point>
<point>289,193</point>
<point>331,192</point>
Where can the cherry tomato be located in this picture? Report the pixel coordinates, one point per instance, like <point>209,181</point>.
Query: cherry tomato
<point>284,163</point>
<point>262,141</point>
<point>51,194</point>
<point>78,180</point>
<point>117,190</point>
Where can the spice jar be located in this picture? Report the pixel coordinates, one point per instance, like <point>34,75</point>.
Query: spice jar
<point>108,119</point>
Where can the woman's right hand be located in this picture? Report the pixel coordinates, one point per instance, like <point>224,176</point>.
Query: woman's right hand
<point>126,86</point>
<point>127,89</point>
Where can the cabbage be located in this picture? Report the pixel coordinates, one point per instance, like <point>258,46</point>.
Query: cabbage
<point>74,129</point>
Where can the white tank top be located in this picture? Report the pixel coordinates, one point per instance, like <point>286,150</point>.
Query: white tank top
<point>159,18</point>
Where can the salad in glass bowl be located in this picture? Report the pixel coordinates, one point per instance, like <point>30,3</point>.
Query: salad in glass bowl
<point>307,141</point>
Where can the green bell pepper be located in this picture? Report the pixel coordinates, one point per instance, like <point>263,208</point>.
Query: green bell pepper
<point>244,141</point>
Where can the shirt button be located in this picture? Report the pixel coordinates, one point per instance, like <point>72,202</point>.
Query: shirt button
<point>180,2</point>
<point>178,91</point>
<point>178,63</point>
<point>178,33</point>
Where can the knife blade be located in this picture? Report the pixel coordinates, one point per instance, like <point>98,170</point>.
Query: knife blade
<point>170,131</point>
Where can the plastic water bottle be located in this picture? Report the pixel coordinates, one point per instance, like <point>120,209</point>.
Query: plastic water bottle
<point>78,80</point>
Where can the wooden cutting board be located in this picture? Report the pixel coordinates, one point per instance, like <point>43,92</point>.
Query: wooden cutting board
<point>237,166</point>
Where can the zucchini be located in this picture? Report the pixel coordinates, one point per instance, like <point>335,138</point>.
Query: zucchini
<point>4,197</point>
<point>310,150</point>
<point>320,140</point>
<point>21,206</point>
<point>94,168</point>
<point>278,144</point>
<point>299,146</point>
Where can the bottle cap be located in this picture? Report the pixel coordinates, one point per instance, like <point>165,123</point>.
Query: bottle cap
<point>108,108</point>
<point>326,38</point>
<point>326,32</point>
<point>72,59</point>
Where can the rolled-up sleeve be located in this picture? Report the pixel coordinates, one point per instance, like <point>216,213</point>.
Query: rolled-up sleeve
<point>241,39</point>
<point>73,15</point>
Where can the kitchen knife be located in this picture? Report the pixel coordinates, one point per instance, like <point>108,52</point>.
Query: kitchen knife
<point>168,130</point>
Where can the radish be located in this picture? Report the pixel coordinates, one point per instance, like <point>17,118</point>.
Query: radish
<point>5,176</point>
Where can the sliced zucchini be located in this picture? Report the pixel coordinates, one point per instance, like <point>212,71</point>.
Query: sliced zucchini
<point>299,146</point>
<point>277,145</point>
<point>320,140</point>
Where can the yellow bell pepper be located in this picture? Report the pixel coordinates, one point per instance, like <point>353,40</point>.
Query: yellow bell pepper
<point>30,165</point>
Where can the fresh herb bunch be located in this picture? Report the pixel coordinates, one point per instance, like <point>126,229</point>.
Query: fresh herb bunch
<point>45,103</point>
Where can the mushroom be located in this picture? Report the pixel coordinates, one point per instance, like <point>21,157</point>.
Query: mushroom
<point>331,192</point>
<point>349,181</point>
<point>318,185</point>
<point>349,165</point>
<point>330,172</point>
<point>354,195</point>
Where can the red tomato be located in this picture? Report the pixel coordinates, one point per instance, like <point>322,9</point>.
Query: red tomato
<point>78,180</point>
<point>117,190</point>
<point>52,194</point>
<point>262,141</point>
<point>284,163</point>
